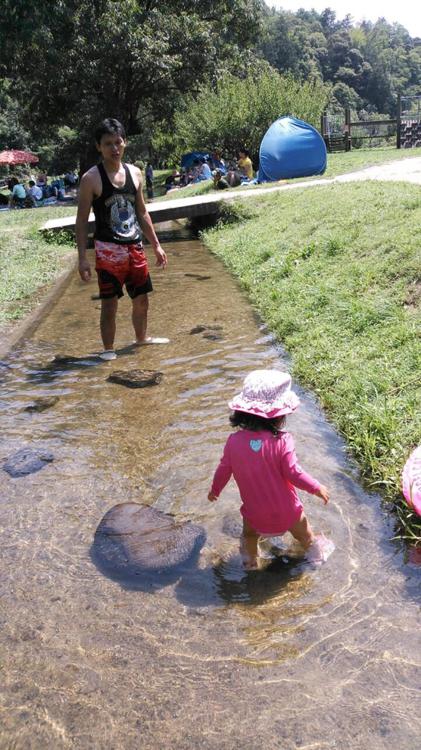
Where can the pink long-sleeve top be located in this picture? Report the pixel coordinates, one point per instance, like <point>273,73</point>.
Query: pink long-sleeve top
<point>266,471</point>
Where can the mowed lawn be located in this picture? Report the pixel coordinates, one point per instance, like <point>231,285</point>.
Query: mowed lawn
<point>337,164</point>
<point>335,271</point>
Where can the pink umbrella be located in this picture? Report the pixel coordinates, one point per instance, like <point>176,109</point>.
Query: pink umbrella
<point>411,480</point>
<point>17,157</point>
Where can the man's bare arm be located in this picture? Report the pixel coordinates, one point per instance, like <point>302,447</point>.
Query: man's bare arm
<point>86,196</point>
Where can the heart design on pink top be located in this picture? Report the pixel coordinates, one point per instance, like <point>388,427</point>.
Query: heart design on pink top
<point>255,445</point>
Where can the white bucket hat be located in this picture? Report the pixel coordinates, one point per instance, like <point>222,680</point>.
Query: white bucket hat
<point>266,393</point>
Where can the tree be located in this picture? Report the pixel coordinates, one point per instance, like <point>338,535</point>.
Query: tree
<point>98,58</point>
<point>237,113</point>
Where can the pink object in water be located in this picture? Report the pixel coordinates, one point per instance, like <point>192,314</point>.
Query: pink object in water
<point>320,550</point>
<point>411,480</point>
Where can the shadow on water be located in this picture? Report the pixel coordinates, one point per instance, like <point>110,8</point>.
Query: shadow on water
<point>226,582</point>
<point>61,365</point>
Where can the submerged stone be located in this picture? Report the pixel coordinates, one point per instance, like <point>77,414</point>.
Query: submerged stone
<point>136,378</point>
<point>133,538</point>
<point>211,336</point>
<point>42,403</point>
<point>211,330</point>
<point>26,461</point>
<point>198,276</point>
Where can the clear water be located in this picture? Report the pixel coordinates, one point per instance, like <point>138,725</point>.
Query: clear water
<point>288,658</point>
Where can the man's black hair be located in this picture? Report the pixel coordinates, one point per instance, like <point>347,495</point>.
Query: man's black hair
<point>109,126</point>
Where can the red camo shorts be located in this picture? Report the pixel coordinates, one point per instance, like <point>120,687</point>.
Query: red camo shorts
<point>118,265</point>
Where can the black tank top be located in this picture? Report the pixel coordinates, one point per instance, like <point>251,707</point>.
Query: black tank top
<point>115,211</point>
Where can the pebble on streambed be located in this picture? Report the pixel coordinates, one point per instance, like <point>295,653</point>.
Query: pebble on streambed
<point>132,539</point>
<point>26,461</point>
<point>42,403</point>
<point>213,333</point>
<point>136,378</point>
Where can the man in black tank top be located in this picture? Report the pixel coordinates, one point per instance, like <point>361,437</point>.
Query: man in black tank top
<point>114,191</point>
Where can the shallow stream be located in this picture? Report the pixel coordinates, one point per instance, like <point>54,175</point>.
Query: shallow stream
<point>290,658</point>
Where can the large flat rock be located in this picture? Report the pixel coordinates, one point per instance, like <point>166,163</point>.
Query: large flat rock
<point>132,539</point>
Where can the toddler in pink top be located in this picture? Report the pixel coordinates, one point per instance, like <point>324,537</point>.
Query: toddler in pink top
<point>261,457</point>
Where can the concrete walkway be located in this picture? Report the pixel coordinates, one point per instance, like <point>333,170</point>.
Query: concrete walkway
<point>408,170</point>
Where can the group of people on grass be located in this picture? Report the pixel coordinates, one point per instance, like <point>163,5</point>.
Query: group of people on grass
<point>224,174</point>
<point>260,455</point>
<point>32,192</point>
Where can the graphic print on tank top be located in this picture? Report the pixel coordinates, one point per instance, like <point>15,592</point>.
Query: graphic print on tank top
<point>115,211</point>
<point>122,216</point>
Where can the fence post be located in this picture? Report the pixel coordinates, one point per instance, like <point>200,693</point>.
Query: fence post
<point>347,129</point>
<point>398,122</point>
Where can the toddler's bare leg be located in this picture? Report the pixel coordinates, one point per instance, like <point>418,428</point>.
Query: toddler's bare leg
<point>248,546</point>
<point>302,531</point>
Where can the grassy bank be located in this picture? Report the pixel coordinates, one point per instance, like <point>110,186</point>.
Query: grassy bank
<point>27,261</point>
<point>336,273</point>
<point>337,164</point>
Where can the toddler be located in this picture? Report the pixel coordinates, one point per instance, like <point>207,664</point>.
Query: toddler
<point>261,457</point>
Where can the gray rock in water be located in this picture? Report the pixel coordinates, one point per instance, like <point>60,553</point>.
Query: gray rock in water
<point>205,329</point>
<point>42,403</point>
<point>198,276</point>
<point>213,336</point>
<point>133,539</point>
<point>27,461</point>
<point>136,378</point>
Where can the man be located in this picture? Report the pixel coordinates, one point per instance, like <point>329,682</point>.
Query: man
<point>114,191</point>
<point>34,191</point>
<point>18,193</point>
<point>245,164</point>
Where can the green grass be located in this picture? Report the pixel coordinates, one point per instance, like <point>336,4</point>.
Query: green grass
<point>337,164</point>
<point>27,261</point>
<point>159,177</point>
<point>351,161</point>
<point>336,274</point>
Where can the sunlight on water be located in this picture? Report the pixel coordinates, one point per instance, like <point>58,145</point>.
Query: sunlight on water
<point>291,657</point>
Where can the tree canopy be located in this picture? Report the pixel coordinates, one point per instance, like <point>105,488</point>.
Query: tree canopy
<point>66,65</point>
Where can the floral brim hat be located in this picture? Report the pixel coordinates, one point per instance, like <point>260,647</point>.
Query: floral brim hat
<point>266,393</point>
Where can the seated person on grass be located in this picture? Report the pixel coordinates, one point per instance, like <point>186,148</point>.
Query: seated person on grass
<point>245,164</point>
<point>219,180</point>
<point>18,194</point>
<point>34,191</point>
<point>171,181</point>
<point>203,171</point>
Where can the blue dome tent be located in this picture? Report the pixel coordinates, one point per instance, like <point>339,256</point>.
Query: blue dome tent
<point>291,148</point>
<point>188,159</point>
